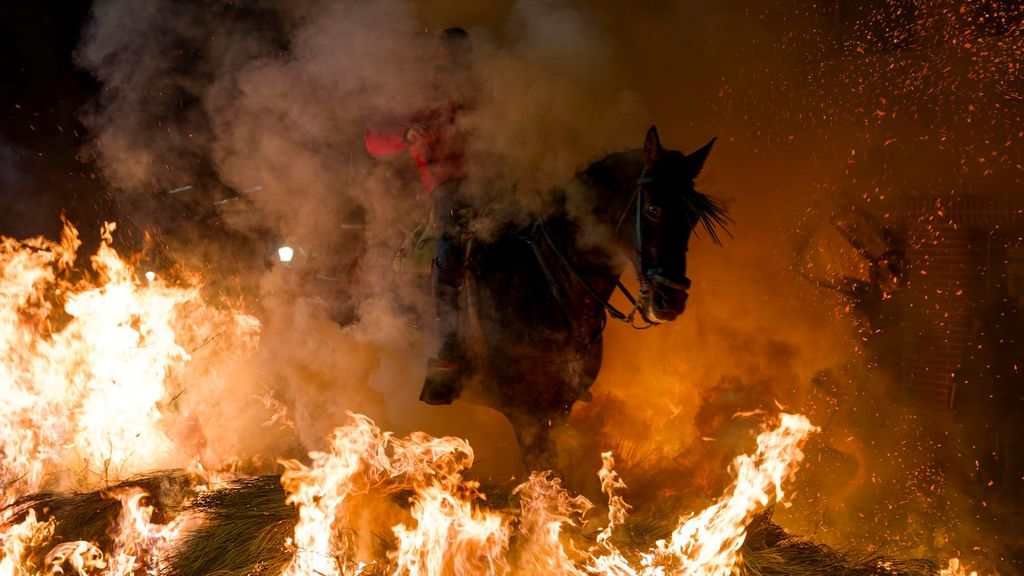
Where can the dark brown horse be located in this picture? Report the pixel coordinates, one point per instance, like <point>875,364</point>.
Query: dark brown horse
<point>541,294</point>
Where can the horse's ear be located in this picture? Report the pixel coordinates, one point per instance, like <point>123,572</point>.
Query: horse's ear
<point>698,158</point>
<point>652,146</point>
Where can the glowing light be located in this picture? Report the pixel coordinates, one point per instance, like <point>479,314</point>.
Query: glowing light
<point>285,254</point>
<point>150,275</point>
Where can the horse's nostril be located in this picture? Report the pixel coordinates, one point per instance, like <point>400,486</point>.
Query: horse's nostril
<point>661,302</point>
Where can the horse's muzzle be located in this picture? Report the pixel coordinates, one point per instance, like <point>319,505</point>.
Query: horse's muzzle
<point>665,303</point>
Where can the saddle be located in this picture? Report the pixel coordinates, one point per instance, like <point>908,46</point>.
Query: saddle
<point>416,255</point>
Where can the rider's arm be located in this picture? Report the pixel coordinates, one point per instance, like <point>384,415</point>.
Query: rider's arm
<point>394,134</point>
<point>386,137</point>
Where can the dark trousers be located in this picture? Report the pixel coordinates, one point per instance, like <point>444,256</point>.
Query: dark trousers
<point>446,274</point>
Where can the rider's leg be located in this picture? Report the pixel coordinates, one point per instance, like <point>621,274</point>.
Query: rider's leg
<point>447,269</point>
<point>443,381</point>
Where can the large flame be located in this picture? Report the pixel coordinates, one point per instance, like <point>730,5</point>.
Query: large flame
<point>453,534</point>
<point>86,359</point>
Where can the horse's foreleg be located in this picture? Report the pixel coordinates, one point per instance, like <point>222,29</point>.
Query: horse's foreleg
<point>537,440</point>
<point>591,366</point>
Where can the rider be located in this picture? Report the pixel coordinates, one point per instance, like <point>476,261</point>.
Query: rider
<point>438,145</point>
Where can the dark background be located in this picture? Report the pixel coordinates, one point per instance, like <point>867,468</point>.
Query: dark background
<point>42,168</point>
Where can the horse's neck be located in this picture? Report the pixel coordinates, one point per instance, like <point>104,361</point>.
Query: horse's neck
<point>612,181</point>
<point>607,187</point>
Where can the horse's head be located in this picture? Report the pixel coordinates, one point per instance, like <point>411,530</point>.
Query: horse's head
<point>664,211</point>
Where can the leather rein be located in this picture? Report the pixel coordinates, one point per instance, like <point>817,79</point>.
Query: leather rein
<point>649,276</point>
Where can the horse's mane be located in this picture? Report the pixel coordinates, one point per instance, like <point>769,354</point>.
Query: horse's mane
<point>606,177</point>
<point>709,212</point>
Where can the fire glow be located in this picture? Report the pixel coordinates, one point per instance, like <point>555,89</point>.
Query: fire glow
<point>89,360</point>
<point>82,365</point>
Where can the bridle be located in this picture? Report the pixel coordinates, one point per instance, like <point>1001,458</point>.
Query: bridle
<point>648,277</point>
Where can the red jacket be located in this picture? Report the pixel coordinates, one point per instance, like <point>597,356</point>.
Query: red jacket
<point>439,152</point>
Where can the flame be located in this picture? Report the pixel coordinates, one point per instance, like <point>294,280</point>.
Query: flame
<point>545,508</point>
<point>956,568</point>
<point>709,542</point>
<point>86,359</point>
<point>608,559</point>
<point>18,539</point>
<point>319,490</point>
<point>453,534</point>
<point>139,544</point>
<point>83,557</point>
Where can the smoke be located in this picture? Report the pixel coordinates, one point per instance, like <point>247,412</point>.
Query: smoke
<point>260,111</point>
<point>263,106</point>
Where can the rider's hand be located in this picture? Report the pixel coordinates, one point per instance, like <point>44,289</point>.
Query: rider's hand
<point>417,132</point>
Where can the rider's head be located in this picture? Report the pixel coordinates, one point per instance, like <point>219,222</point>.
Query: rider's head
<point>454,50</point>
<point>454,80</point>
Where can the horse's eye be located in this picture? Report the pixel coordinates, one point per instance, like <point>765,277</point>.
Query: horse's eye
<point>653,212</point>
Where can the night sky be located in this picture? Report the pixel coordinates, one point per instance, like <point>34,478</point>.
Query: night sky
<point>41,169</point>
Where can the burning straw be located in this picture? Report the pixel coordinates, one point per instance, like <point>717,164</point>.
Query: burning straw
<point>89,362</point>
<point>307,521</point>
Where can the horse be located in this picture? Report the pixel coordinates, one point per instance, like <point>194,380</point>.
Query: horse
<point>539,296</point>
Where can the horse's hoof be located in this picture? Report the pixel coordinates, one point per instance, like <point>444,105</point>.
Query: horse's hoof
<point>443,383</point>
